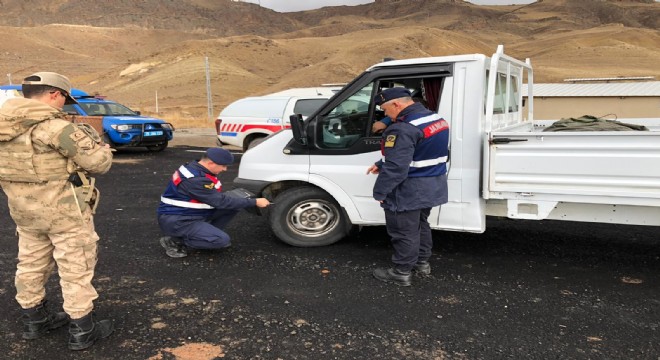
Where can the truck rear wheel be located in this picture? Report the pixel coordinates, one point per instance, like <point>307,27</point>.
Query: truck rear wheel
<point>308,217</point>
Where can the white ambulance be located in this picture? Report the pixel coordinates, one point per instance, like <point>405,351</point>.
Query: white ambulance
<point>253,118</point>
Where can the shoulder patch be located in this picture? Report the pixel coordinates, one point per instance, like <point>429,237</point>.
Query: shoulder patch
<point>390,140</point>
<point>209,186</point>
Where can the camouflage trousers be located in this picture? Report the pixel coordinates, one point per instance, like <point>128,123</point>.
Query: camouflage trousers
<point>73,251</point>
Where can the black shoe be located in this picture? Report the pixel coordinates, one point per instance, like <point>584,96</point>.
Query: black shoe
<point>422,268</point>
<point>172,249</point>
<point>84,332</point>
<point>393,276</point>
<point>38,321</point>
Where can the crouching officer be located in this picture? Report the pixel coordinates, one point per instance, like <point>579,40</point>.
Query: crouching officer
<point>42,155</point>
<point>411,180</point>
<point>193,210</point>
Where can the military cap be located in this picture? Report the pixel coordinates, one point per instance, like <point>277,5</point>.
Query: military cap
<point>389,94</point>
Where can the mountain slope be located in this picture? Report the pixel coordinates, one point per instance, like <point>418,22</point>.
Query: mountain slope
<point>150,48</point>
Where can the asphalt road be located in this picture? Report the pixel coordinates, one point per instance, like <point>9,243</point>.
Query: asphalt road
<point>522,290</point>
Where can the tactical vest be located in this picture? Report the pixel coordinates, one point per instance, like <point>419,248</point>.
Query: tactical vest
<point>22,164</point>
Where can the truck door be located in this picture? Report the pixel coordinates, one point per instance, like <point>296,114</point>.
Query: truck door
<point>344,146</point>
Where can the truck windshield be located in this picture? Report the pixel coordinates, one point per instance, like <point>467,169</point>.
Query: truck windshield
<point>106,109</point>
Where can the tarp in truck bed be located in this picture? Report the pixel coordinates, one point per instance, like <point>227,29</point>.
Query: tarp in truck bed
<point>592,123</point>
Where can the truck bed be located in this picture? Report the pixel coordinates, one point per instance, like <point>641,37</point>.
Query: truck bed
<point>597,167</point>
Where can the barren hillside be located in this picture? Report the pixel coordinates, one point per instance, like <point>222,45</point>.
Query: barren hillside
<point>139,49</point>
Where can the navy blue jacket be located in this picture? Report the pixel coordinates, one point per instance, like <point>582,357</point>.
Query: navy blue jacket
<point>413,172</point>
<point>194,191</point>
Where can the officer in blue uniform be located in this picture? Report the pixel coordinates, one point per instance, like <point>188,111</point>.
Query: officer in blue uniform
<point>193,209</point>
<point>412,179</point>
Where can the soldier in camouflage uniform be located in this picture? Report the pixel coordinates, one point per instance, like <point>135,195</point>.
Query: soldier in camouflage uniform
<point>44,160</point>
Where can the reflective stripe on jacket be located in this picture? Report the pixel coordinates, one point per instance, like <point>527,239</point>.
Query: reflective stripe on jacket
<point>412,174</point>
<point>175,202</point>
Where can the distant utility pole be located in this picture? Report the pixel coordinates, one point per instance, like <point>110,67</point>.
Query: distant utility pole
<point>156,101</point>
<point>209,99</point>
<point>9,77</point>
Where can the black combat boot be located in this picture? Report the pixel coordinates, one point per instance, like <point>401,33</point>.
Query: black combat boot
<point>86,330</point>
<point>37,321</point>
<point>422,267</point>
<point>393,275</point>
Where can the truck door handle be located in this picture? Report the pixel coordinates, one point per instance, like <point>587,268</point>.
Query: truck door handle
<point>504,140</point>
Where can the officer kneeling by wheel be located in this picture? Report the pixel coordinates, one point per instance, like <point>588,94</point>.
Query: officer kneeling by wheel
<point>194,210</point>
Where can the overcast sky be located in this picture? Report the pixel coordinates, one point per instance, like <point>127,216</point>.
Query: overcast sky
<point>300,5</point>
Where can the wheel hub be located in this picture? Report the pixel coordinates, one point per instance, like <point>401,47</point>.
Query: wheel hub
<point>313,217</point>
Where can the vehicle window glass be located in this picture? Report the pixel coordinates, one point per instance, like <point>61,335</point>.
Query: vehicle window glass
<point>500,99</point>
<point>500,94</point>
<point>92,109</point>
<point>306,107</point>
<point>103,109</point>
<point>69,109</point>
<point>346,123</point>
<point>118,109</point>
<point>515,93</point>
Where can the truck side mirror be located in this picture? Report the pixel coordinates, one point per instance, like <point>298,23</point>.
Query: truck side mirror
<point>298,129</point>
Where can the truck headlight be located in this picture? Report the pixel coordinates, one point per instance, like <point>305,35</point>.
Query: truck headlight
<point>121,127</point>
<point>167,126</point>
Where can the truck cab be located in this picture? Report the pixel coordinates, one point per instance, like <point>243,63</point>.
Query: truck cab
<point>119,125</point>
<point>316,173</point>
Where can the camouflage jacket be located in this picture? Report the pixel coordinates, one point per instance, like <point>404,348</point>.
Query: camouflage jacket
<point>39,149</point>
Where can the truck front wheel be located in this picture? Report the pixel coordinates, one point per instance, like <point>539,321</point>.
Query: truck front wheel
<point>252,141</point>
<point>308,217</point>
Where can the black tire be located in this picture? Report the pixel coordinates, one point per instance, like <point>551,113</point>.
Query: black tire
<point>159,147</point>
<point>252,142</point>
<point>255,142</point>
<point>307,217</point>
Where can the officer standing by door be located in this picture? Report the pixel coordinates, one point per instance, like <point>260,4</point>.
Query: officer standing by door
<point>194,211</point>
<point>412,179</point>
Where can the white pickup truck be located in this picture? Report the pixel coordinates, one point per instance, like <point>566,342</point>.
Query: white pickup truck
<point>501,162</point>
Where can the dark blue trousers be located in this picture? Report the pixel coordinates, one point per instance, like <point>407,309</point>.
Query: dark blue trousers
<point>199,232</point>
<point>411,237</point>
